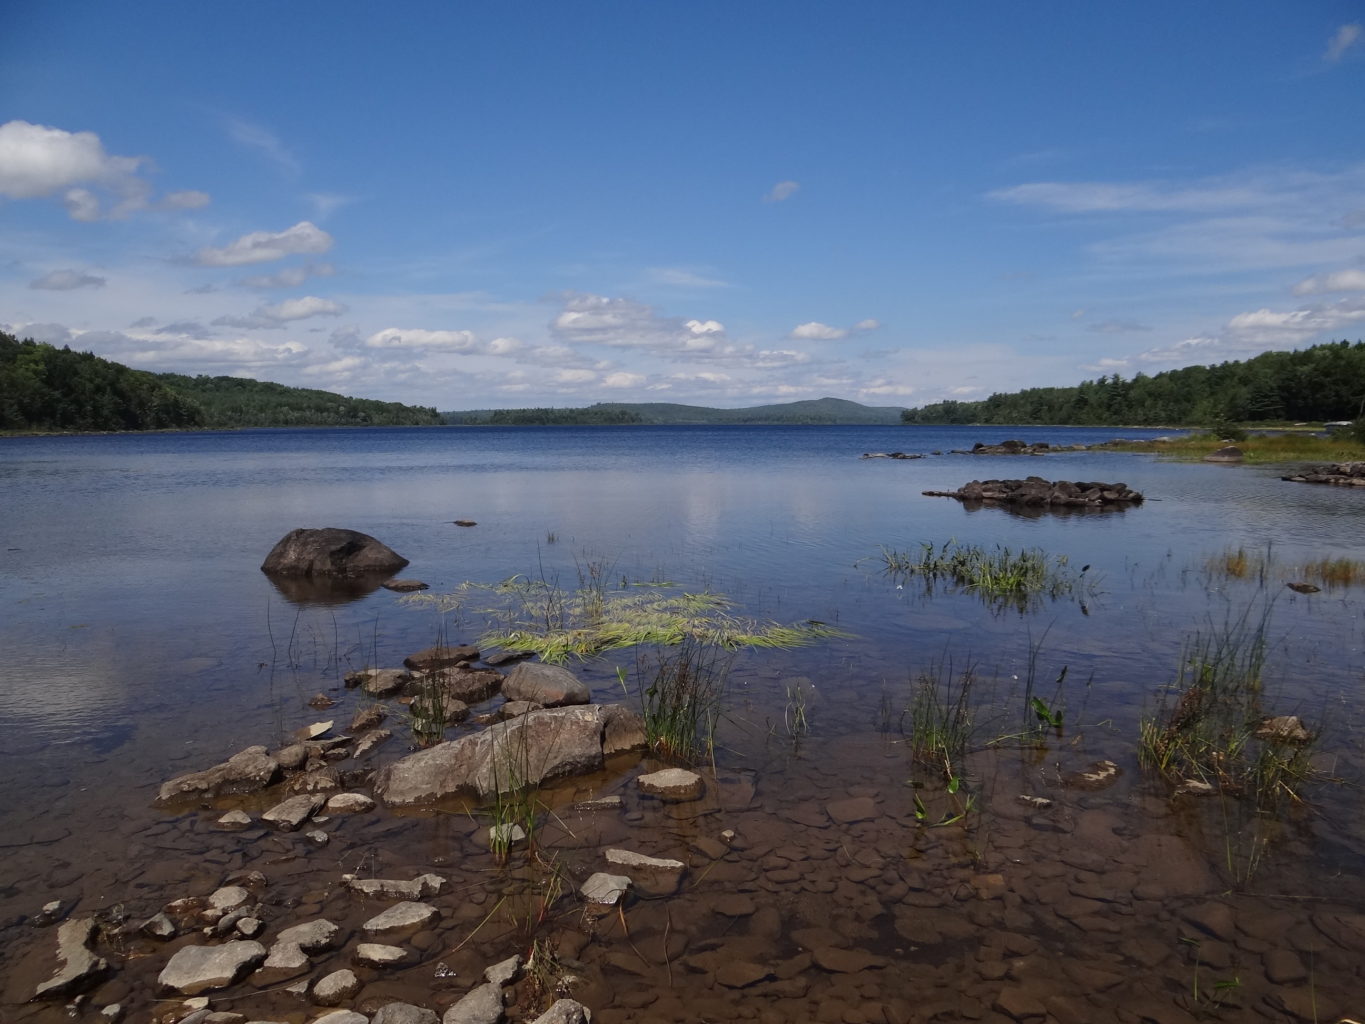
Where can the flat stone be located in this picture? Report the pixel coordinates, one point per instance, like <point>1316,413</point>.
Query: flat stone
<point>380,682</point>
<point>654,876</point>
<point>312,936</point>
<point>856,808</point>
<point>506,835</point>
<point>369,741</point>
<point>672,785</point>
<point>248,927</point>
<point>349,803</point>
<point>441,656</point>
<point>1017,1002</point>
<point>234,821</point>
<point>285,960</point>
<point>602,803</point>
<point>229,897</point>
<point>1284,967</point>
<point>336,988</point>
<point>159,927</point>
<point>846,961</point>
<point>482,1005</point>
<point>290,814</point>
<point>742,974</point>
<point>734,905</point>
<point>605,889</point>
<point>78,966</point>
<point>248,771</point>
<point>374,954</point>
<point>195,969</point>
<point>401,917</point>
<point>404,1013</point>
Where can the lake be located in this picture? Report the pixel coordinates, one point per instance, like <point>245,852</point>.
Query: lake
<point>141,641</point>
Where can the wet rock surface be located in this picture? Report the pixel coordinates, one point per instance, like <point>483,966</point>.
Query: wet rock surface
<point>330,551</point>
<point>1341,474</point>
<point>1034,491</point>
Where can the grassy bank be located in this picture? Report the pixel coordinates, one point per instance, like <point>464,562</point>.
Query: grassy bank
<point>1285,447</point>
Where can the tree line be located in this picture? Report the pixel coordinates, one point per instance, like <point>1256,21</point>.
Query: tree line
<point>1322,383</point>
<point>45,388</point>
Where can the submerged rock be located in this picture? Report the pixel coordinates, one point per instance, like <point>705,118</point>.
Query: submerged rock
<point>481,1005</point>
<point>654,876</point>
<point>565,1011</point>
<point>330,552</point>
<point>248,771</point>
<point>526,751</point>
<point>78,966</point>
<point>441,656</point>
<point>195,969</point>
<point>672,785</point>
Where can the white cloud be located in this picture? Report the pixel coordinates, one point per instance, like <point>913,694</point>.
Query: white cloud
<point>185,199</point>
<point>816,331</point>
<point>423,340</point>
<point>623,323</point>
<point>767,359</point>
<point>867,325</point>
<point>705,326</point>
<point>327,203</point>
<point>1104,197</point>
<point>262,140</point>
<point>66,280</point>
<point>1346,37</point>
<point>1273,325</point>
<point>1340,281</point>
<point>265,246</point>
<point>301,309</point>
<point>504,346</point>
<point>36,160</point>
<point>883,387</point>
<point>574,377</point>
<point>781,191</point>
<point>623,380</point>
<point>290,277</point>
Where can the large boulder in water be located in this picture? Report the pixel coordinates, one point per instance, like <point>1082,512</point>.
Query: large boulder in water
<point>331,552</point>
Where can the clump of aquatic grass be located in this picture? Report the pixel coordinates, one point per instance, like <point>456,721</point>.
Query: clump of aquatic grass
<point>999,575</point>
<point>1209,726</point>
<point>1240,564</point>
<point>940,720</point>
<point>1286,446</point>
<point>794,715</point>
<point>681,691</point>
<point>540,617</point>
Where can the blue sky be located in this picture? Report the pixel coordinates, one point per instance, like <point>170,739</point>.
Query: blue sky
<point>487,205</point>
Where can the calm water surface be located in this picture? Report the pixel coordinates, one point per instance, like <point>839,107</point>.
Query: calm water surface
<point>141,640</point>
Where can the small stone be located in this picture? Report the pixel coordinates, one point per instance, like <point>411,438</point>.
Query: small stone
<point>565,1011</point>
<point>1097,776</point>
<point>313,731</point>
<point>1283,729</point>
<point>404,1013</point>
<point>317,837</point>
<point>349,803</point>
<point>741,974</point>
<point>384,888</point>
<point>321,701</point>
<point>602,803</point>
<point>506,836</point>
<point>249,927</point>
<point>159,927</point>
<point>374,954</point>
<point>404,586</point>
<point>846,961</point>
<point>1017,1002</point>
<point>342,1017</point>
<point>465,522</point>
<point>505,971</point>
<point>735,905</point>
<point>654,876</point>
<point>292,813</point>
<point>399,918</point>
<point>604,889</point>
<point>1038,803</point>
<point>112,1013</point>
<point>336,988</point>
<point>854,809</point>
<point>370,741</point>
<point>380,682</point>
<point>672,785</point>
<point>1284,967</point>
<point>1304,588</point>
<point>285,959</point>
<point>229,897</point>
<point>1195,787</point>
<point>482,1005</point>
<point>368,718</point>
<point>234,821</point>
<point>312,936</point>
<point>50,912</point>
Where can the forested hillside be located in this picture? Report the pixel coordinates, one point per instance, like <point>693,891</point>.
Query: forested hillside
<point>1322,383</point>
<point>238,402</point>
<point>44,388</point>
<point>47,388</point>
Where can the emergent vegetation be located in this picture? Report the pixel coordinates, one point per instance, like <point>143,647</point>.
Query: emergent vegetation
<point>541,617</point>
<point>999,576</point>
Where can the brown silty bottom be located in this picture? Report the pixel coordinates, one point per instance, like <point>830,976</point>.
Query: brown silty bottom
<point>820,885</point>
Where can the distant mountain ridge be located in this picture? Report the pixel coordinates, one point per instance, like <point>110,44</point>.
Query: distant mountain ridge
<point>825,411</point>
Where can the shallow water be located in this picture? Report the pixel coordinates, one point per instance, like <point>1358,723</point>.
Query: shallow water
<point>141,642</point>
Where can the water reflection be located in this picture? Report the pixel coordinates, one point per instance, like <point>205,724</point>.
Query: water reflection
<point>328,591</point>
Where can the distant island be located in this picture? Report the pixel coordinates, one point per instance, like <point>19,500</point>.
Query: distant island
<point>822,411</point>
